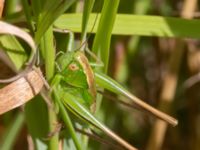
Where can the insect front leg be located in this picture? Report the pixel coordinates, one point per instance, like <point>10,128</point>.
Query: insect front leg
<point>56,81</point>
<point>70,45</point>
<point>98,62</point>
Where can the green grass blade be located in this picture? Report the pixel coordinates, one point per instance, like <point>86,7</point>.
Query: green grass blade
<point>27,12</point>
<point>102,39</point>
<point>12,132</point>
<point>126,24</point>
<point>14,50</point>
<point>49,56</point>
<point>49,53</point>
<point>37,6</point>
<point>36,117</point>
<point>72,103</point>
<point>50,13</point>
<point>46,119</point>
<point>88,5</point>
<point>6,28</point>
<point>140,8</point>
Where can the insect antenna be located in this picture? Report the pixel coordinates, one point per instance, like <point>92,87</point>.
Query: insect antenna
<point>83,45</point>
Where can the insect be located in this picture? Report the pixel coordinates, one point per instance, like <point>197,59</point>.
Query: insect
<point>77,83</point>
<point>77,78</point>
<point>76,72</point>
<point>77,86</point>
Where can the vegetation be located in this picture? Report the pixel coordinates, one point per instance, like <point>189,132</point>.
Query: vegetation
<point>151,49</point>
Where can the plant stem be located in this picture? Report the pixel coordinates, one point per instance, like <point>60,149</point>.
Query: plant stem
<point>49,53</point>
<point>102,39</point>
<point>170,82</point>
<point>12,132</point>
<point>27,11</point>
<point>49,56</point>
<point>88,5</point>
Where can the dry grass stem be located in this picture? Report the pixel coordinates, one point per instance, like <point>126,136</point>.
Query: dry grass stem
<point>170,82</point>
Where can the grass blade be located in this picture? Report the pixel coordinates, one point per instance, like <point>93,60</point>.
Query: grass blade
<point>6,28</point>
<point>47,47</point>
<point>102,39</point>
<point>14,50</point>
<point>88,5</point>
<point>27,12</point>
<point>127,24</point>
<point>37,124</point>
<point>49,56</point>
<point>50,13</point>
<point>37,6</point>
<point>12,132</point>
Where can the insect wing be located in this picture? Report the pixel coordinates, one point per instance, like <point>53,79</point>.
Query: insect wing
<point>82,59</point>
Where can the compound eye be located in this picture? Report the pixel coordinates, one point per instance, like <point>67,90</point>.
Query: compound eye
<point>73,67</point>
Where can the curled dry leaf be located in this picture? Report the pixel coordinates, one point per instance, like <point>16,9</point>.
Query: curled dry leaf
<point>21,91</point>
<point>9,29</point>
<point>6,28</point>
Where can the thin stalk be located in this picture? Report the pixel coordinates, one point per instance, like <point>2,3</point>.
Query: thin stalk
<point>49,53</point>
<point>101,44</point>
<point>141,8</point>
<point>37,8</point>
<point>12,132</point>
<point>49,56</point>
<point>102,39</point>
<point>50,13</point>
<point>27,12</point>
<point>88,5</point>
<point>170,82</point>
